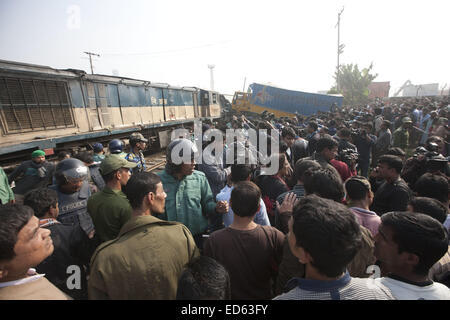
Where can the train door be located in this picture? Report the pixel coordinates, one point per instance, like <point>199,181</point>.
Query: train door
<point>214,106</point>
<point>197,107</point>
<point>204,102</point>
<point>102,104</point>
<point>91,109</point>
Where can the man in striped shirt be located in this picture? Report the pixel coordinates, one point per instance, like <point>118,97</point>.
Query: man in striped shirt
<point>325,236</point>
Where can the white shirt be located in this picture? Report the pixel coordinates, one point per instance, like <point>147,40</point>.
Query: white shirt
<point>32,276</point>
<point>405,291</point>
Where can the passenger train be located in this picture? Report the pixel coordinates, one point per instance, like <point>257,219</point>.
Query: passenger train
<point>52,109</point>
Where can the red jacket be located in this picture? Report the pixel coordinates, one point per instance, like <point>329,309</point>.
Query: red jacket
<point>343,169</point>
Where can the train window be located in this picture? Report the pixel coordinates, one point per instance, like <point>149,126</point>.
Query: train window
<point>112,95</point>
<point>214,98</point>
<point>140,92</point>
<point>29,105</point>
<point>188,99</point>
<point>174,97</point>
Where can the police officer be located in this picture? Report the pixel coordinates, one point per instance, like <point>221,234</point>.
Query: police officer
<point>137,145</point>
<point>116,146</point>
<point>73,189</point>
<point>99,154</point>
<point>401,135</point>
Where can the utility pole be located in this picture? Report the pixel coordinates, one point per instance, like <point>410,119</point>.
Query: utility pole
<point>90,59</point>
<point>340,47</point>
<point>211,67</point>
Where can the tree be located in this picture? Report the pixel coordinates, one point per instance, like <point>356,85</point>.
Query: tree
<point>353,84</point>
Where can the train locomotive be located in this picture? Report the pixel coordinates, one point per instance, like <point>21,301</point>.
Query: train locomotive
<point>53,109</point>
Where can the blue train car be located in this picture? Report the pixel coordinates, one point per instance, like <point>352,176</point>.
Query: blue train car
<point>283,102</point>
<point>51,109</point>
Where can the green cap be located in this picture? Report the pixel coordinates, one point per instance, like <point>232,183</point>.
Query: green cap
<point>406,120</point>
<point>114,162</point>
<point>136,136</point>
<point>37,153</point>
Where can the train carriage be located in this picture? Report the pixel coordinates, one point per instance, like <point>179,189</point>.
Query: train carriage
<point>51,109</point>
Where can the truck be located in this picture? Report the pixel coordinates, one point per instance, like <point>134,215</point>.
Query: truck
<point>283,102</point>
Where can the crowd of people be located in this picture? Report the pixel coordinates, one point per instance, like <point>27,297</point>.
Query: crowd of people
<point>357,209</point>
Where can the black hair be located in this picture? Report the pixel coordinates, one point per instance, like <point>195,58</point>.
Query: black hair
<point>85,156</point>
<point>245,199</point>
<point>328,231</point>
<point>139,185</point>
<point>396,151</point>
<point>63,154</point>
<point>429,206</point>
<point>288,131</point>
<point>345,133</point>
<point>283,146</point>
<point>386,123</point>
<point>433,186</point>
<point>302,165</point>
<point>418,234</point>
<point>240,172</point>
<point>204,279</point>
<point>368,125</point>
<point>357,188</point>
<point>313,125</point>
<point>326,142</point>
<point>433,139</point>
<point>110,176</point>
<point>326,183</point>
<point>41,200</point>
<point>13,217</point>
<point>393,162</point>
<point>281,160</point>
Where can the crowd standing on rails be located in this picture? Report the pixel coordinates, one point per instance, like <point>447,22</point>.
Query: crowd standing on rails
<point>358,208</point>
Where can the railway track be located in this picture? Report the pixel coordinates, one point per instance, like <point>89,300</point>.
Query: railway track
<point>156,162</point>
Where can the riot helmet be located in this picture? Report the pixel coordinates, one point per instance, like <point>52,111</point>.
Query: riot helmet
<point>176,156</point>
<point>115,146</point>
<point>70,170</point>
<point>98,147</point>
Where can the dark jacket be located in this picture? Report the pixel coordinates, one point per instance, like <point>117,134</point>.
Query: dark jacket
<point>73,207</point>
<point>312,138</point>
<point>96,176</point>
<point>30,175</point>
<point>215,173</point>
<point>345,144</point>
<point>299,150</point>
<point>391,197</point>
<point>72,248</point>
<point>365,146</point>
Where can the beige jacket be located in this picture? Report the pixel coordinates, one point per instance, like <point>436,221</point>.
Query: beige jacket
<point>143,262</point>
<point>40,289</point>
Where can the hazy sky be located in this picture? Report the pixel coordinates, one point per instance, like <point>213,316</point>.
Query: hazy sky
<point>291,44</point>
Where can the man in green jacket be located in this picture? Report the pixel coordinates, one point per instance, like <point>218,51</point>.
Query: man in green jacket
<point>6,193</point>
<point>109,208</point>
<point>401,135</point>
<point>189,196</point>
<point>149,255</point>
